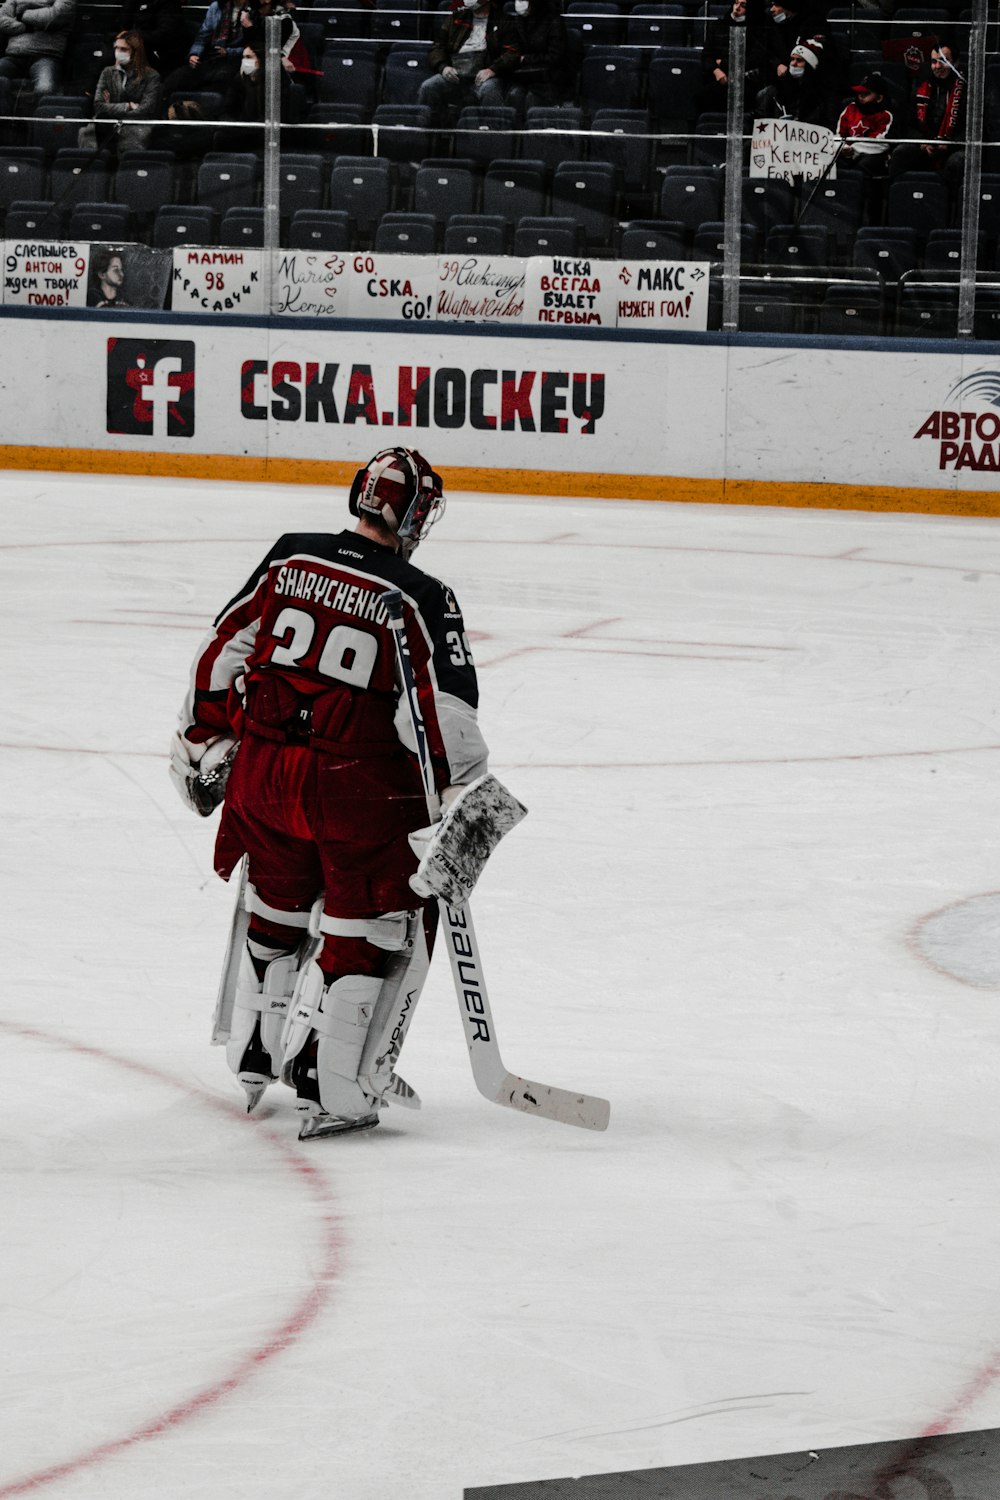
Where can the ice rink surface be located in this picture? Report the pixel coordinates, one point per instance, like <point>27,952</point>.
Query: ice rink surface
<point>754,904</point>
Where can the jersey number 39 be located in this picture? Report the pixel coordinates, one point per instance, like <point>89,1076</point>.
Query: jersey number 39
<point>348,654</point>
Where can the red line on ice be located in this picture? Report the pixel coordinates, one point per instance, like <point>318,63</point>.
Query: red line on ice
<point>299,1319</point>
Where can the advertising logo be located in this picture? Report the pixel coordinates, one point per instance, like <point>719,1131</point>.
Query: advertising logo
<point>151,387</point>
<point>967,429</point>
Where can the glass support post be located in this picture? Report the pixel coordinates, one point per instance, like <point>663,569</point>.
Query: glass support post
<point>732,212</point>
<point>272,159</point>
<point>974,127</point>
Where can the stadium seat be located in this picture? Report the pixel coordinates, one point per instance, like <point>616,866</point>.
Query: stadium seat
<point>777,308</point>
<point>920,200</point>
<point>301,182</point>
<point>31,218</point>
<point>690,198</point>
<point>609,80</point>
<point>242,227</point>
<point>225,182</point>
<point>548,236</point>
<point>320,229</point>
<point>403,133</point>
<point>710,242</point>
<point>78,177</point>
<point>101,221</point>
<point>587,192</point>
<point>675,85</point>
<point>406,233</point>
<point>654,239</point>
<point>657,25</point>
<point>404,71</point>
<point>889,250</point>
<point>485,133</point>
<point>838,205</point>
<point>476,234</point>
<point>927,311</point>
<point>50,123</point>
<point>185,224</point>
<point>851,310</point>
<point>595,21</point>
<point>797,245</point>
<point>348,78</point>
<point>144,182</point>
<point>364,189</point>
<point>444,190</point>
<point>767,202</point>
<point>628,147</point>
<point>22,174</point>
<point>515,189</point>
<point>398,20</point>
<point>552,149</point>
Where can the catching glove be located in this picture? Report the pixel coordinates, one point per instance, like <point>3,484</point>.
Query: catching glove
<point>200,772</point>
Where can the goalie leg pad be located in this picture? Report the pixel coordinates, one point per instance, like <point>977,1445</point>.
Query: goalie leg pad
<point>342,1039</point>
<point>260,1010</point>
<point>400,990</point>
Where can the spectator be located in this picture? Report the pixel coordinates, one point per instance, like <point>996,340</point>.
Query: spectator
<point>476,48</point>
<point>252,18</point>
<point>182,139</point>
<point>215,53</point>
<point>715,58</point>
<point>36,34</point>
<point>797,93</point>
<point>164,31</point>
<point>130,90</point>
<point>544,74</point>
<point>864,125</point>
<point>938,115</point>
<point>246,102</point>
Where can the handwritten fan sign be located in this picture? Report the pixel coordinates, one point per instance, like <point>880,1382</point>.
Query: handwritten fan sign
<point>482,289</point>
<point>313,284</point>
<point>45,273</point>
<point>564,293</point>
<point>393,286</point>
<point>218,281</point>
<point>661,293</point>
<point>788,149</point>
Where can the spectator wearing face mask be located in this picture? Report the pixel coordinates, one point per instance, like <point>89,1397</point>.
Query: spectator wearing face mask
<point>128,91</point>
<point>477,48</point>
<point>938,115</point>
<point>798,92</point>
<point>715,57</point>
<point>246,102</point>
<point>544,74</point>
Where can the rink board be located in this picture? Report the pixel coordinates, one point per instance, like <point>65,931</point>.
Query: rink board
<point>869,425</point>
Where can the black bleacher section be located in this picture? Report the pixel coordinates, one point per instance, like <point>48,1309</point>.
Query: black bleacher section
<point>364,169</point>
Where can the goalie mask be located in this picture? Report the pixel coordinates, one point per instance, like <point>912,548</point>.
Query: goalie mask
<point>399,488</point>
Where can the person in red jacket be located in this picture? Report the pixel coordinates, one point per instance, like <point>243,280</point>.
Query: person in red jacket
<point>864,124</point>
<point>938,115</point>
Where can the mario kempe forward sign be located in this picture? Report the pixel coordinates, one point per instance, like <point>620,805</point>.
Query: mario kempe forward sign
<point>787,149</point>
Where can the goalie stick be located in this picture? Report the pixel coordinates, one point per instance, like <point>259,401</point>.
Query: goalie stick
<point>491,1077</point>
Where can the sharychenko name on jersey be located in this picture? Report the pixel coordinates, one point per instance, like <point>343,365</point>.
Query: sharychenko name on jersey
<point>559,401</point>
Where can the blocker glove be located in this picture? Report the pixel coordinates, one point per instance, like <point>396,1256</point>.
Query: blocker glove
<point>453,852</point>
<point>200,772</point>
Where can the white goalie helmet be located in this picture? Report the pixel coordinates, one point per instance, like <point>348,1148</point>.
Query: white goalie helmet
<point>399,488</point>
